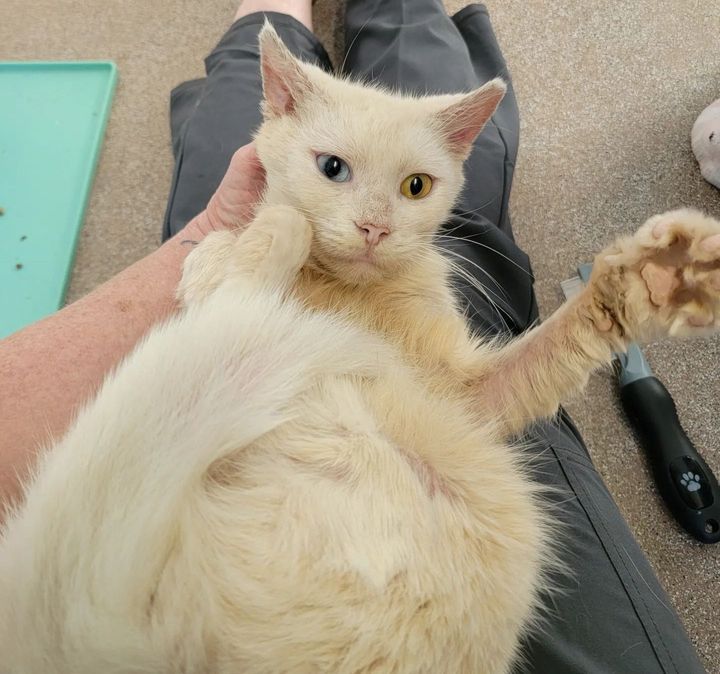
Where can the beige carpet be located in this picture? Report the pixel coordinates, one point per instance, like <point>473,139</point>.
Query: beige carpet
<point>608,93</point>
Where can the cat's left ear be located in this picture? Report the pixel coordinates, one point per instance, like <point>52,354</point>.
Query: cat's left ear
<point>463,120</point>
<point>284,80</point>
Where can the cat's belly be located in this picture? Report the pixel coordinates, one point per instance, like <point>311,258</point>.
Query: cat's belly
<point>289,500</point>
<point>382,514</point>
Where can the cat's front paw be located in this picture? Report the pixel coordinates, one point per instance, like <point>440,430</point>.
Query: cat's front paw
<point>665,279</point>
<point>277,244</point>
<point>269,252</point>
<point>206,266</point>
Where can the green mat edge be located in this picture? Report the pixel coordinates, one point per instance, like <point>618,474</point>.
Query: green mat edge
<point>98,143</point>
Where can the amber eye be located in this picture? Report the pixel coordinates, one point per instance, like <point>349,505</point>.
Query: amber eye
<point>416,186</point>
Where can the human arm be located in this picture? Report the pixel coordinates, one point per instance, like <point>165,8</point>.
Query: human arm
<point>52,367</point>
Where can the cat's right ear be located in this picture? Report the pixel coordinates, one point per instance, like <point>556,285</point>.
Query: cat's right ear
<point>284,81</point>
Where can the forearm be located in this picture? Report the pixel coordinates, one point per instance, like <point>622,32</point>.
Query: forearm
<point>49,369</point>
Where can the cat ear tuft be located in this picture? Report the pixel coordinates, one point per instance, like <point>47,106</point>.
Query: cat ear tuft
<point>462,121</point>
<point>284,81</point>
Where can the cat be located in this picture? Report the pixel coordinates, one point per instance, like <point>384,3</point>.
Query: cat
<point>310,468</point>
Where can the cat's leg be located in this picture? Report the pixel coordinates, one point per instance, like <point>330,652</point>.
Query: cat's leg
<point>663,280</point>
<point>269,252</point>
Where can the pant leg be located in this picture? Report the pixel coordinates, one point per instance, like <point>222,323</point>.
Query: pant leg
<point>213,117</point>
<point>473,23</point>
<point>611,615</point>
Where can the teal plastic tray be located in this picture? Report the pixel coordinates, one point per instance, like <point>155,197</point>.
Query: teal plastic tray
<point>52,122</point>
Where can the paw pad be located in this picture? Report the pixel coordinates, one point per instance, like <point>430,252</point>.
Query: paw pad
<point>711,244</point>
<point>691,481</point>
<point>670,275</point>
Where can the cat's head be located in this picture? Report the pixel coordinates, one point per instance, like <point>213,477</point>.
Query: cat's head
<point>375,173</point>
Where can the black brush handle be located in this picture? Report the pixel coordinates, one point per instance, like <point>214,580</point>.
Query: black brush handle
<point>684,480</point>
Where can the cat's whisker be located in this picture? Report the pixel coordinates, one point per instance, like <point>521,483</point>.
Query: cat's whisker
<point>569,499</point>
<point>472,211</point>
<point>352,44</point>
<point>474,264</point>
<point>485,292</point>
<point>484,245</point>
<point>451,230</point>
<point>479,208</point>
<point>491,302</point>
<point>642,577</point>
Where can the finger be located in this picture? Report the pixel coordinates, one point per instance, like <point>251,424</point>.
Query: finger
<point>246,171</point>
<point>244,158</point>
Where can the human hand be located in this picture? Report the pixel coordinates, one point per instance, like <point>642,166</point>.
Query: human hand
<point>234,202</point>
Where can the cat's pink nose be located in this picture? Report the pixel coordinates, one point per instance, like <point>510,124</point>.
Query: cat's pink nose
<point>373,233</point>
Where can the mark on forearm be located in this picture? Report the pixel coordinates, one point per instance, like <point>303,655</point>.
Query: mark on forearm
<point>190,242</point>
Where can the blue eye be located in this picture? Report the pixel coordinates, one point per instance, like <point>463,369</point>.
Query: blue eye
<point>333,167</point>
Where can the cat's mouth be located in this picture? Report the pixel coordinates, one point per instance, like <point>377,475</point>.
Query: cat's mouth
<point>358,267</point>
<point>365,258</point>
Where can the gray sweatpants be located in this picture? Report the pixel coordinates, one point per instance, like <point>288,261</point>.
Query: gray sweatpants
<point>612,616</point>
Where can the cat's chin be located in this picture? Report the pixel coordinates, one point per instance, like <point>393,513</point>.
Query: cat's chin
<point>363,272</point>
<point>358,269</point>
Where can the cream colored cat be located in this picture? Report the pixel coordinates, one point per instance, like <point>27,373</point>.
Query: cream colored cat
<point>309,469</point>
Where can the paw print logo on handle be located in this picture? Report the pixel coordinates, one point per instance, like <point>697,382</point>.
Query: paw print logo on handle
<point>691,481</point>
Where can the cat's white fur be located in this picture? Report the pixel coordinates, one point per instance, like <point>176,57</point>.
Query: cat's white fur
<point>307,470</point>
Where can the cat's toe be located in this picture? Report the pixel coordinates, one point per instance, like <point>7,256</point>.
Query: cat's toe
<point>203,269</point>
<point>664,279</point>
<point>278,242</point>
<point>292,236</point>
<point>682,273</point>
<point>661,282</point>
<point>694,319</point>
<point>685,232</point>
<point>714,280</point>
<point>711,245</point>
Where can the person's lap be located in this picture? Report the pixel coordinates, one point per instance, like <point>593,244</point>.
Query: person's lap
<point>612,615</point>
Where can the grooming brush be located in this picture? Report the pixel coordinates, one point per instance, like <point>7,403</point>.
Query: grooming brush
<point>685,482</point>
